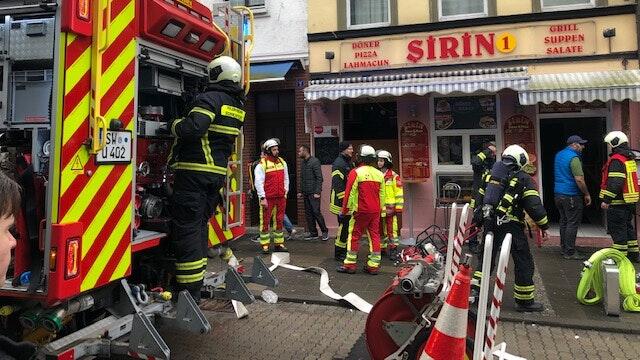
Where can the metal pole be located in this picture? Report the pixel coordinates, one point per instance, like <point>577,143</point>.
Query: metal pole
<point>481,319</point>
<point>498,292</point>
<point>459,240</point>
<point>450,240</point>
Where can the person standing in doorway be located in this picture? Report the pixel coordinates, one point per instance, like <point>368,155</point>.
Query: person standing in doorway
<point>272,185</point>
<point>340,169</point>
<point>311,186</point>
<point>619,194</point>
<point>571,194</point>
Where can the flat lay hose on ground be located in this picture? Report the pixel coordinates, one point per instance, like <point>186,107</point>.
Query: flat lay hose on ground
<point>592,280</point>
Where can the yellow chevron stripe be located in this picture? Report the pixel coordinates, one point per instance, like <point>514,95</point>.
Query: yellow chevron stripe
<point>121,102</point>
<point>84,198</point>
<point>71,37</point>
<point>59,90</point>
<point>101,218</point>
<point>76,118</point>
<point>119,24</point>
<point>68,176</point>
<point>123,265</point>
<point>77,70</point>
<point>213,239</point>
<point>103,258</point>
<point>118,66</point>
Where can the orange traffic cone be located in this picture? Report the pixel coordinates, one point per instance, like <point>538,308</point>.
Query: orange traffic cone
<point>448,338</point>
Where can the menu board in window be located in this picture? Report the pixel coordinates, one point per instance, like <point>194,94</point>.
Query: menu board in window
<point>414,152</point>
<point>465,112</point>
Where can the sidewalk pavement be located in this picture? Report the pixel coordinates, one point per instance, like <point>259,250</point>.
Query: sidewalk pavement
<point>556,281</point>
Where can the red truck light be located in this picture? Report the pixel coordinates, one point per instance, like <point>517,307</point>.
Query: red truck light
<point>72,260</point>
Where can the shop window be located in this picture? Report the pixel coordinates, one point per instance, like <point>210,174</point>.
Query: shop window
<point>555,5</point>
<point>462,9</point>
<point>247,3</point>
<point>455,187</point>
<point>450,150</point>
<point>367,13</point>
<point>370,121</point>
<point>461,126</point>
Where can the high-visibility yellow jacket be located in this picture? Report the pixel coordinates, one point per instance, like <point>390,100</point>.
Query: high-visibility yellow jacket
<point>393,191</point>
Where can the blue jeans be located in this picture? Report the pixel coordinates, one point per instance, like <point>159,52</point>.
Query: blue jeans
<point>287,224</point>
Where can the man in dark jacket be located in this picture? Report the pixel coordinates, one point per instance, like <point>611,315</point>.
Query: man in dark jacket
<point>339,172</point>
<point>204,141</point>
<point>311,186</point>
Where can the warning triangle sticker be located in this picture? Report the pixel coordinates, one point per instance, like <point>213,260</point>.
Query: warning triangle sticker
<point>77,164</point>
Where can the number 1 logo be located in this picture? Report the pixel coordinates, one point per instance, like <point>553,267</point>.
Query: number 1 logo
<point>506,43</point>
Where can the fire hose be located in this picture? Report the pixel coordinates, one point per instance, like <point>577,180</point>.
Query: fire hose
<point>592,280</point>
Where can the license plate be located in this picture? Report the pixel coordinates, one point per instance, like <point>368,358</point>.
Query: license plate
<point>117,149</point>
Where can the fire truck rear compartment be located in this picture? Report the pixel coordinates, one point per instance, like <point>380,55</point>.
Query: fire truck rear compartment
<point>26,84</point>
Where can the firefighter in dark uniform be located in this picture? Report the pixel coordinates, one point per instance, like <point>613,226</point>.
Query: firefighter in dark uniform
<point>509,193</point>
<point>203,143</point>
<point>339,172</point>
<point>619,194</point>
<point>481,163</point>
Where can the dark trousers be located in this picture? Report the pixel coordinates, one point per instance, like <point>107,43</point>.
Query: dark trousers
<point>195,198</point>
<point>523,266</point>
<point>313,214</point>
<point>570,209</point>
<point>620,227</point>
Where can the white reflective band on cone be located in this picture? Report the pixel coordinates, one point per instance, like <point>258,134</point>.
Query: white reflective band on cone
<point>280,259</point>
<point>457,327</point>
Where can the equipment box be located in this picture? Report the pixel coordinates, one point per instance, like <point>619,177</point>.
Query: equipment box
<point>31,96</point>
<point>31,39</point>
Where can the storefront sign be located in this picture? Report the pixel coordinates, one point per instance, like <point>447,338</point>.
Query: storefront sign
<point>496,43</point>
<point>465,112</point>
<point>568,107</point>
<point>325,131</point>
<point>520,130</point>
<point>414,152</point>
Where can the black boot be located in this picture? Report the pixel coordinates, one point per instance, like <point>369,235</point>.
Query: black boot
<point>340,253</point>
<point>532,306</point>
<point>634,257</point>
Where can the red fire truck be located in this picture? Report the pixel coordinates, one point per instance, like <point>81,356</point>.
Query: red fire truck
<point>87,89</point>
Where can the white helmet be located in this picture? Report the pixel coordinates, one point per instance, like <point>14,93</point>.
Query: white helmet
<point>517,154</point>
<point>224,68</point>
<point>269,144</point>
<point>616,138</point>
<point>384,154</point>
<point>367,151</point>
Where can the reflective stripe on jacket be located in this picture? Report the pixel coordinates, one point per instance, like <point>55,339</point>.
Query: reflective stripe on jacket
<point>204,138</point>
<point>339,172</point>
<point>271,178</point>
<point>365,191</point>
<point>394,192</point>
<point>619,184</point>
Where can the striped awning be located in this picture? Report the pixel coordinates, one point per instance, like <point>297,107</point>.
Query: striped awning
<point>447,82</point>
<point>588,86</point>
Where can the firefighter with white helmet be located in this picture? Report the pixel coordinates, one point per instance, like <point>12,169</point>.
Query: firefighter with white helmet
<point>619,194</point>
<point>394,204</point>
<point>364,201</point>
<point>509,193</point>
<point>271,179</point>
<point>203,143</point>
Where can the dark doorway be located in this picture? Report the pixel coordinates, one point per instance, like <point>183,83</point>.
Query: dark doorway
<point>276,118</point>
<point>553,136</point>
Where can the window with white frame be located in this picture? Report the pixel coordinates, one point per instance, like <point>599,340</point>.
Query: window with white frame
<point>367,13</point>
<point>554,5</point>
<point>248,3</point>
<point>462,9</point>
<point>461,127</point>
